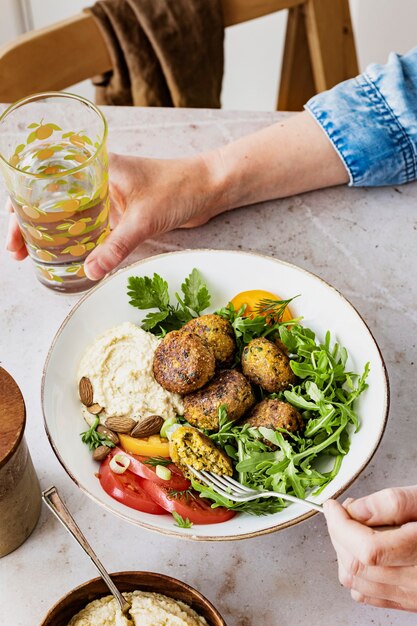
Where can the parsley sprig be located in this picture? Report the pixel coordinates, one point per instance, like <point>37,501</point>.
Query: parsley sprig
<point>152,293</point>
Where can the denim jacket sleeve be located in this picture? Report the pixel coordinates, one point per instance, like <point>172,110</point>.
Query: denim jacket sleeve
<point>371,121</point>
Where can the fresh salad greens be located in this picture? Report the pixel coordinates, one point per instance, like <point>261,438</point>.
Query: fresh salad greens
<point>324,396</point>
<point>266,324</point>
<point>325,393</point>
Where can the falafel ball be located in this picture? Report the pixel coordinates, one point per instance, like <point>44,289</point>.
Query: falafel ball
<point>189,446</point>
<point>183,362</point>
<point>266,365</point>
<point>218,334</point>
<point>230,388</point>
<point>272,413</point>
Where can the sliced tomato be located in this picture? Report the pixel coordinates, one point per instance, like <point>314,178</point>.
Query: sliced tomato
<point>138,466</point>
<point>149,446</point>
<point>191,506</point>
<point>128,489</point>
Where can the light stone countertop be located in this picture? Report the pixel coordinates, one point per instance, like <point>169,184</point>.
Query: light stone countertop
<point>361,241</point>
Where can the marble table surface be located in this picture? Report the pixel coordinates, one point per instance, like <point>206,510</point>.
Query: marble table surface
<point>363,241</point>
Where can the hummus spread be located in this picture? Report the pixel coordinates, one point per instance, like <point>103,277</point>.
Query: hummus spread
<point>148,609</point>
<point>119,367</point>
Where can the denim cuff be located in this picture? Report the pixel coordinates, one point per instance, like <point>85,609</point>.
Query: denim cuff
<point>359,120</point>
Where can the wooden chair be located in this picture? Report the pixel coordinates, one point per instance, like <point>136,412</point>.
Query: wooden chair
<point>319,50</point>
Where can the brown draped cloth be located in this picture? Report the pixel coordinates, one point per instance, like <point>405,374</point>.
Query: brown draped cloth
<point>163,52</point>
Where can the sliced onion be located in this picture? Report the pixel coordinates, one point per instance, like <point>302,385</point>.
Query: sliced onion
<point>166,425</point>
<point>119,463</point>
<point>171,430</point>
<point>163,472</point>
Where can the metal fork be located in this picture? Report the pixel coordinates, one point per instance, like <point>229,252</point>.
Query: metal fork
<point>232,490</point>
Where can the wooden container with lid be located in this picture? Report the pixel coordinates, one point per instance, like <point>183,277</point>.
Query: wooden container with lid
<point>20,494</point>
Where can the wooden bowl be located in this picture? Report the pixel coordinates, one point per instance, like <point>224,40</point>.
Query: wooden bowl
<point>78,598</point>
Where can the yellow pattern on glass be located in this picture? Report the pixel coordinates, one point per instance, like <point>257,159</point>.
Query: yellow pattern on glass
<point>67,219</point>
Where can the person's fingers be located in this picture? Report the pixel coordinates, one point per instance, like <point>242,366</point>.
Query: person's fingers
<point>121,241</point>
<point>351,568</point>
<point>391,507</point>
<point>14,240</point>
<point>405,597</point>
<point>125,172</point>
<point>390,587</point>
<point>117,206</point>
<point>397,585</point>
<point>20,255</point>
<point>371,547</point>
<point>382,604</point>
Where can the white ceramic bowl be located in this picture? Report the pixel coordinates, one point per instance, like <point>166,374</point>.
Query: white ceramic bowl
<point>226,273</point>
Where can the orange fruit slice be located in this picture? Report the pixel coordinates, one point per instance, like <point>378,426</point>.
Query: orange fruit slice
<point>253,298</point>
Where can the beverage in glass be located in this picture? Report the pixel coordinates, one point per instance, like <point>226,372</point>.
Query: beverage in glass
<point>54,162</point>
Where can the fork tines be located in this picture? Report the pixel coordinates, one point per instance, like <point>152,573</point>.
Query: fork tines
<point>223,485</point>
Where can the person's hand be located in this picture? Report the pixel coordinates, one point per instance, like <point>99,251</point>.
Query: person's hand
<point>148,197</point>
<point>151,196</point>
<point>378,566</point>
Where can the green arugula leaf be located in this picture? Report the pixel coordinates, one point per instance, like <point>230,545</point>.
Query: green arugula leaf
<point>299,401</point>
<point>313,391</point>
<point>302,370</point>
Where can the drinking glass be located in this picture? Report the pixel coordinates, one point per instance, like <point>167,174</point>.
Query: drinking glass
<point>54,161</point>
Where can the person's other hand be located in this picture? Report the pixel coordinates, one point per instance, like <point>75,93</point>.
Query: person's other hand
<point>148,197</point>
<point>378,566</point>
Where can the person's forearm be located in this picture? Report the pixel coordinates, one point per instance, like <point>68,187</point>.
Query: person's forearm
<point>290,157</point>
<point>152,196</point>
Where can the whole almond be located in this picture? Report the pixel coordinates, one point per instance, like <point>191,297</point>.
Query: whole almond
<point>100,453</point>
<point>95,409</point>
<point>108,433</point>
<point>148,426</point>
<point>120,423</point>
<point>85,389</point>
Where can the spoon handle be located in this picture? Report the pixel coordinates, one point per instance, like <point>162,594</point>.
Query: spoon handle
<point>54,502</point>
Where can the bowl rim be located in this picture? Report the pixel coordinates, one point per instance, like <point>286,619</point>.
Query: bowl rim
<point>248,535</point>
<point>116,575</point>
